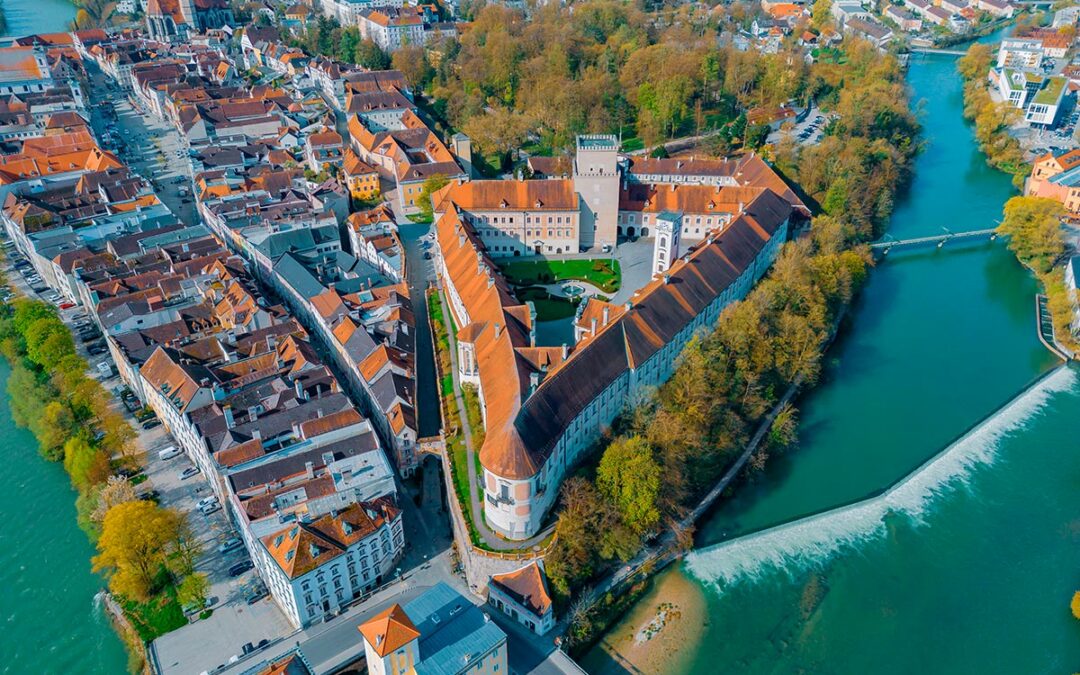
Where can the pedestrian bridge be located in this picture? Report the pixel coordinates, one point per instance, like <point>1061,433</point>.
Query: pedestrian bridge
<point>933,50</point>
<point>888,243</point>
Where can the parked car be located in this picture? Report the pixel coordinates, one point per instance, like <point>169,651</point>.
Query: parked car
<point>230,545</point>
<point>210,508</point>
<point>150,496</point>
<point>189,472</point>
<point>206,501</point>
<point>240,567</point>
<point>168,453</point>
<point>151,423</point>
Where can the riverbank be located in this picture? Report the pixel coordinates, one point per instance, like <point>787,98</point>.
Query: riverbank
<point>936,339</point>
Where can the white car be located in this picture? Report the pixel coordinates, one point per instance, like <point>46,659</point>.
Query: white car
<point>207,501</point>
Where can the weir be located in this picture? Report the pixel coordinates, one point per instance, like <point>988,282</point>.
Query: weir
<point>815,538</point>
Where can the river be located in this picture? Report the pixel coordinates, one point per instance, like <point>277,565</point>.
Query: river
<point>53,620</point>
<point>51,612</point>
<point>970,566</point>
<point>37,16</point>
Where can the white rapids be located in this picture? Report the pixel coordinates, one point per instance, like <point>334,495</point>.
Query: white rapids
<point>815,539</point>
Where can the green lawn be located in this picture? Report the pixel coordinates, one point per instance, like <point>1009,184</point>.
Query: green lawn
<point>600,272</point>
<point>157,616</point>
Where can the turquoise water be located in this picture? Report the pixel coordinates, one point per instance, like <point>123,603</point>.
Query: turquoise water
<point>970,565</point>
<point>52,621</point>
<point>25,17</point>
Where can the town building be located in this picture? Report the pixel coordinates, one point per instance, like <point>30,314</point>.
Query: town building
<point>437,633</point>
<point>1058,178</point>
<point>320,566</point>
<point>523,595</point>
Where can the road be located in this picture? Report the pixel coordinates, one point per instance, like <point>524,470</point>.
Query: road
<point>152,148</point>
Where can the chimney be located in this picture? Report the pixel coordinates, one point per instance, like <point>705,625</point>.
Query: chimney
<point>227,411</point>
<point>256,434</point>
<point>607,312</point>
<point>667,278</point>
<point>253,413</point>
<point>309,469</point>
<point>498,330</point>
<point>534,381</point>
<point>296,430</point>
<point>460,240</point>
<point>593,328</point>
<point>299,388</point>
<point>490,281</point>
<point>565,351</point>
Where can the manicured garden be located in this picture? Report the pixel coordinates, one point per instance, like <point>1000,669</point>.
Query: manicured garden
<point>548,307</point>
<point>602,272</point>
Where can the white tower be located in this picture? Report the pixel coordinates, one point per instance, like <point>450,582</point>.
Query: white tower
<point>666,244</point>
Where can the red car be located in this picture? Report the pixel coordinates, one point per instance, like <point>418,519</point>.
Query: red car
<point>66,305</point>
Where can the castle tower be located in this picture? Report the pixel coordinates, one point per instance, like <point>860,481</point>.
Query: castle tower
<point>666,244</point>
<point>391,642</point>
<point>596,181</point>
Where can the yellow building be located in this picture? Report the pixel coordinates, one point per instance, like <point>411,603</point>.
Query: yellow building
<point>361,177</point>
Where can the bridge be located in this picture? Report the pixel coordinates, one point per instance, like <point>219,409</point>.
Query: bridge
<point>931,50</point>
<point>888,243</point>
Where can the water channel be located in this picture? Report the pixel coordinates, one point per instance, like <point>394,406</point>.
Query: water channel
<point>970,566</point>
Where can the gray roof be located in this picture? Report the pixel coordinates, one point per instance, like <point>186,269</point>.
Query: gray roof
<point>293,272</point>
<point>453,631</point>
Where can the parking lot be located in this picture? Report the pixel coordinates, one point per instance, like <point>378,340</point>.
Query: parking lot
<point>807,132</point>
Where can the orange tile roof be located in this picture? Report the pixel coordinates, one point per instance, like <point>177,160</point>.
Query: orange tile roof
<point>527,586</point>
<point>301,548</point>
<point>328,423</point>
<point>389,630</point>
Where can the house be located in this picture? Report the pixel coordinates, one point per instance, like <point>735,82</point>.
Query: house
<point>953,6</point>
<point>1058,178</point>
<point>843,11</point>
<point>361,178</point>
<point>523,595</point>
<point>439,632</point>
<point>323,149</point>
<point>904,19</point>
<point>998,8</point>
<point>876,33</point>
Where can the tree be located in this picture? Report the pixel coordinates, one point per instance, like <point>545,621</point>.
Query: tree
<point>86,465</point>
<point>1075,605</point>
<point>192,590</point>
<point>413,63</point>
<point>432,185</point>
<point>371,56</point>
<point>117,490</point>
<point>53,428</point>
<point>821,14</point>
<point>629,476</point>
<point>1034,227</point>
<point>136,540</point>
<point>499,132</point>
